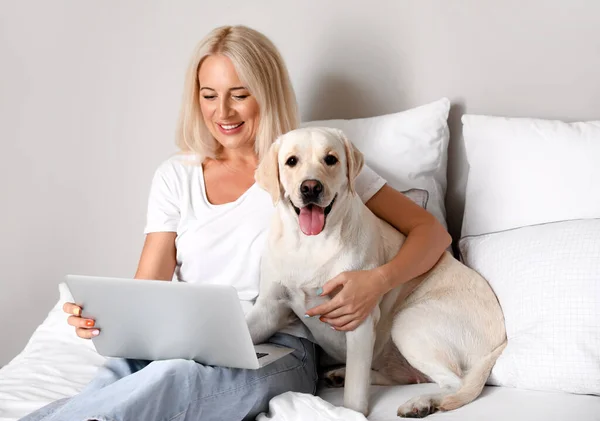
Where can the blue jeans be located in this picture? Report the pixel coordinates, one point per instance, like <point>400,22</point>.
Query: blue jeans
<point>178,390</point>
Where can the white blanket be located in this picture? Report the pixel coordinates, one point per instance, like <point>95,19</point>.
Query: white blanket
<point>293,406</point>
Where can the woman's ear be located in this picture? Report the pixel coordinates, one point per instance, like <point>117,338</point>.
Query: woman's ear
<point>354,159</point>
<point>267,173</point>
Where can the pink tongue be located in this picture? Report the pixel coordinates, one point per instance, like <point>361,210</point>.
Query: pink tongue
<point>312,220</point>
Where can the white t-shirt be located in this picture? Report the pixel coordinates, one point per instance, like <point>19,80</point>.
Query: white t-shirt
<point>218,244</point>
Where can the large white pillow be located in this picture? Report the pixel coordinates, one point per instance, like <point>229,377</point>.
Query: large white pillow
<point>54,364</point>
<point>409,148</point>
<point>547,279</point>
<point>527,171</point>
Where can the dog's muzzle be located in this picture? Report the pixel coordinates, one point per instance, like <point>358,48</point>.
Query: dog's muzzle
<point>312,217</point>
<point>311,191</point>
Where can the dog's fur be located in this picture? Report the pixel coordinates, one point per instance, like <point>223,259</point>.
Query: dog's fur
<point>449,330</point>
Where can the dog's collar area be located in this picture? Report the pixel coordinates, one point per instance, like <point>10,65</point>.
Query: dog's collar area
<point>325,211</point>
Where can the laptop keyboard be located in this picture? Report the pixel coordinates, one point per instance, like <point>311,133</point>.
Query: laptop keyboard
<point>259,355</point>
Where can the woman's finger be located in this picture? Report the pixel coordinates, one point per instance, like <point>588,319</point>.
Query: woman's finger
<point>324,308</point>
<point>84,328</point>
<point>80,322</point>
<point>72,308</point>
<point>335,313</point>
<point>342,320</point>
<point>350,326</point>
<point>86,333</point>
<point>331,285</point>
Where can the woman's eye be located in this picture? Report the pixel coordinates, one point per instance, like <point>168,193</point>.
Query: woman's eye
<point>331,160</point>
<point>291,161</point>
<point>240,97</point>
<point>209,96</point>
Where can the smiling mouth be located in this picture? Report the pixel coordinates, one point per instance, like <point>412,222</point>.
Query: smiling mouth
<point>229,127</point>
<point>312,218</point>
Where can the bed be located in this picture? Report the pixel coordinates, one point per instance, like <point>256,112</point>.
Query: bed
<point>531,228</point>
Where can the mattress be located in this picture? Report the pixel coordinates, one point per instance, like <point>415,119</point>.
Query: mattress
<point>494,404</point>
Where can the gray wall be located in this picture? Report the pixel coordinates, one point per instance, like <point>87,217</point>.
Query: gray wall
<point>89,93</point>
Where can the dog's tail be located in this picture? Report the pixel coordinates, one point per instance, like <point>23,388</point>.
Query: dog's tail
<point>473,381</point>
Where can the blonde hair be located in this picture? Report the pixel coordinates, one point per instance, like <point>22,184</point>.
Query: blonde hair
<point>261,68</point>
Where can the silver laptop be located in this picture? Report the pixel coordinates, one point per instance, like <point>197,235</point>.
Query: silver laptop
<point>158,320</point>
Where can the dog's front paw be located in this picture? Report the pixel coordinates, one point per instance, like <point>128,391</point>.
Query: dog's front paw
<point>335,377</point>
<point>418,407</point>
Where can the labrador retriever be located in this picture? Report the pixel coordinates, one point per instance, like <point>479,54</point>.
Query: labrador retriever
<point>448,330</point>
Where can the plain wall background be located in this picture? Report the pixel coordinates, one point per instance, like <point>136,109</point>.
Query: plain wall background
<point>89,96</point>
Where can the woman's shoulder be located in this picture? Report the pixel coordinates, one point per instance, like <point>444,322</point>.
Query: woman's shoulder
<point>175,173</point>
<point>367,183</point>
<point>178,164</point>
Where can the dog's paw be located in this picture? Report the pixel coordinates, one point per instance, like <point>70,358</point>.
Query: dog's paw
<point>335,378</point>
<point>418,407</point>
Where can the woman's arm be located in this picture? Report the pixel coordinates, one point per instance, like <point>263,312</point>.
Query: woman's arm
<point>426,240</point>
<point>158,258</point>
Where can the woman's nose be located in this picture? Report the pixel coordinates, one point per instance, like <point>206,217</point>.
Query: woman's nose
<point>224,108</point>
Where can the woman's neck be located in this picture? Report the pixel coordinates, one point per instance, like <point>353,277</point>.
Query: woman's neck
<point>239,158</point>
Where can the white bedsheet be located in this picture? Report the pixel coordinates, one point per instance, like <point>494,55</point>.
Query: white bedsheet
<point>495,404</point>
<point>54,364</point>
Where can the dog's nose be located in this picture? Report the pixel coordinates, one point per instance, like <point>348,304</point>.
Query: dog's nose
<point>311,189</point>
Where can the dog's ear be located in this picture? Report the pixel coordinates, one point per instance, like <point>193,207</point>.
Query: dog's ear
<point>267,173</point>
<point>354,158</point>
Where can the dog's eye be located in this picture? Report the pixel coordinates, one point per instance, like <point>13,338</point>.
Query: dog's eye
<point>291,161</point>
<point>331,160</point>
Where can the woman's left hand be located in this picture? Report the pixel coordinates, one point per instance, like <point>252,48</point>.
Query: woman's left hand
<point>360,292</point>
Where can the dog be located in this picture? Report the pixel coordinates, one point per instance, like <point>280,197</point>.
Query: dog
<point>449,329</point>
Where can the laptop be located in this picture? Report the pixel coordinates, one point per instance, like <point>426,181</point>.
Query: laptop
<point>160,320</point>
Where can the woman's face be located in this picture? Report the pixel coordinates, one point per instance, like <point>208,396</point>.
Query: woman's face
<point>229,110</point>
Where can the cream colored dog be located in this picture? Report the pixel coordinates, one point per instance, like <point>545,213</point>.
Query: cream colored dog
<point>449,330</point>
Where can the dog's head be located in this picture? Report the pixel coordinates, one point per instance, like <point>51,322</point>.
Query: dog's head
<point>309,170</point>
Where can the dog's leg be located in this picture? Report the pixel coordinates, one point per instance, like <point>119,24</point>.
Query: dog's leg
<point>269,314</point>
<point>359,356</point>
<point>427,352</point>
<point>436,356</point>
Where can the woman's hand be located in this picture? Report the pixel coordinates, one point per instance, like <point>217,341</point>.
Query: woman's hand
<point>84,328</point>
<point>356,295</point>
<point>157,261</point>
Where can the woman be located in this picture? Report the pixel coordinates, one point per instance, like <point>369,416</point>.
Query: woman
<point>207,222</point>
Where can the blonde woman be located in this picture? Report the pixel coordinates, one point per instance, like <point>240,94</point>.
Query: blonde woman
<point>207,222</point>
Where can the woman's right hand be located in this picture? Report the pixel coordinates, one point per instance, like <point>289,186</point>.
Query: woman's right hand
<point>84,328</point>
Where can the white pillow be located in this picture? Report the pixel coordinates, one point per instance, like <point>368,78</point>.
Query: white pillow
<point>527,171</point>
<point>54,364</point>
<point>419,196</point>
<point>409,148</point>
<point>547,279</point>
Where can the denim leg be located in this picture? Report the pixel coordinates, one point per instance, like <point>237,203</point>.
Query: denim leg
<point>182,390</point>
<point>113,370</point>
<point>234,394</point>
